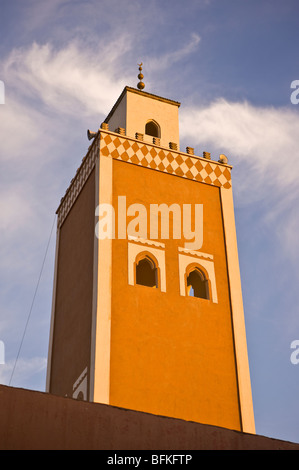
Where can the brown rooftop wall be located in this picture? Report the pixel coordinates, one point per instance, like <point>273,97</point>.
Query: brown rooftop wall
<point>35,420</point>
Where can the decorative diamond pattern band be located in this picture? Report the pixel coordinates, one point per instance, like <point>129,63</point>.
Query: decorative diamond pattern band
<point>175,163</point>
<point>146,155</point>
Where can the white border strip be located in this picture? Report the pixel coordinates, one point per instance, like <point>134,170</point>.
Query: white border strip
<point>243,374</point>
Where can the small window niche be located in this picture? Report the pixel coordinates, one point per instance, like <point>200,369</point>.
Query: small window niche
<point>146,272</point>
<point>152,273</point>
<point>197,284</point>
<point>152,128</point>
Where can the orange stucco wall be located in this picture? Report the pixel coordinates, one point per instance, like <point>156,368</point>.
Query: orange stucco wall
<point>172,355</point>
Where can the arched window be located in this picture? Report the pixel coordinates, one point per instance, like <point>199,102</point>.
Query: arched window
<point>146,272</point>
<point>152,128</point>
<point>197,284</point>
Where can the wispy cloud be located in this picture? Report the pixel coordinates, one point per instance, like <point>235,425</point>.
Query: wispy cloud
<point>69,80</point>
<point>262,141</point>
<point>166,60</point>
<point>262,145</point>
<point>49,91</point>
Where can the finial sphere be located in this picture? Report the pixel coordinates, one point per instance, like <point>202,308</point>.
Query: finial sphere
<point>140,85</point>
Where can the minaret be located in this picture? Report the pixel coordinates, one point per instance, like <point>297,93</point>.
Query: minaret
<point>147,301</point>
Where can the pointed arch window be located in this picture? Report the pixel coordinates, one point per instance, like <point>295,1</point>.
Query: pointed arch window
<point>152,128</point>
<point>198,284</point>
<point>146,272</point>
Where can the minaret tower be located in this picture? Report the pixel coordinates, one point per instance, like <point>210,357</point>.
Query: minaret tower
<point>147,302</point>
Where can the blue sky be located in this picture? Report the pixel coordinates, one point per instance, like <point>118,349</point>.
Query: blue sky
<point>230,63</point>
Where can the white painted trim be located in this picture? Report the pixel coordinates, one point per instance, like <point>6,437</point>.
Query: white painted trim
<point>146,242</point>
<point>134,250</point>
<point>80,378</point>
<point>103,297</point>
<point>185,261</point>
<point>94,290</point>
<point>199,254</point>
<point>81,385</point>
<point>245,394</point>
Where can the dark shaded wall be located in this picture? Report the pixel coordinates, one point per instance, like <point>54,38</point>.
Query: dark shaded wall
<point>73,301</point>
<point>33,420</point>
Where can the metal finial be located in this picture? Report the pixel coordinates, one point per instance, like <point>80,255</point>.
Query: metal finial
<point>140,85</point>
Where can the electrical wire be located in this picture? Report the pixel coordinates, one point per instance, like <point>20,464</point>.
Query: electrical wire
<point>32,303</point>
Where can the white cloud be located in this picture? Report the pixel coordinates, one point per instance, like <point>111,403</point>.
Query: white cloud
<point>25,370</point>
<point>70,80</point>
<point>18,130</point>
<point>30,150</point>
<point>45,84</point>
<point>48,91</point>
<point>166,60</point>
<point>78,79</point>
<point>262,142</point>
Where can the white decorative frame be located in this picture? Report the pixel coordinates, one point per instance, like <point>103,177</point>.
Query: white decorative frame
<point>81,385</point>
<point>187,257</point>
<point>139,245</point>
